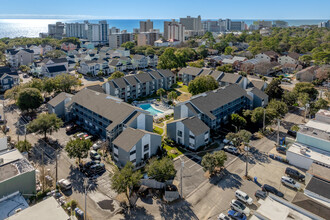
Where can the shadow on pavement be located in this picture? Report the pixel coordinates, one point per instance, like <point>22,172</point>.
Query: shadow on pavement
<point>77,180</point>
<point>228,180</point>
<point>177,210</point>
<point>137,213</point>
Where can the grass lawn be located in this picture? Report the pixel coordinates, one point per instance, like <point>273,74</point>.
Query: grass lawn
<point>183,88</point>
<point>158,130</point>
<point>172,152</point>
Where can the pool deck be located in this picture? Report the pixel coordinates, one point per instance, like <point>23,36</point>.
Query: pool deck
<point>164,112</point>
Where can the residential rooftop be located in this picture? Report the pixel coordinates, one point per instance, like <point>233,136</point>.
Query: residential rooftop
<point>319,171</point>
<point>316,129</point>
<point>9,204</point>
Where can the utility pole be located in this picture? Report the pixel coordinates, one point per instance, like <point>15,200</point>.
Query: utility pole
<point>263,121</point>
<point>246,148</point>
<point>181,177</point>
<point>43,172</point>
<point>278,131</point>
<point>56,167</point>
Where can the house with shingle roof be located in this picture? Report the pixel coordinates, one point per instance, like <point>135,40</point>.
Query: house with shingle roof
<point>268,56</point>
<point>16,58</point>
<point>259,98</point>
<point>57,104</point>
<point>190,132</point>
<point>51,67</point>
<point>290,58</point>
<point>8,78</point>
<point>189,73</point>
<point>127,128</point>
<point>139,61</point>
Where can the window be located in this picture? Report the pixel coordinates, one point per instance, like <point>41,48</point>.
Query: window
<point>133,161</point>
<point>206,140</point>
<point>146,156</point>
<point>116,155</point>
<point>192,137</point>
<point>180,133</point>
<point>132,152</point>
<point>146,147</point>
<point>206,132</point>
<point>115,147</point>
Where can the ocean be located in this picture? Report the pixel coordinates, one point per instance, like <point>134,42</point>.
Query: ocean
<point>32,27</point>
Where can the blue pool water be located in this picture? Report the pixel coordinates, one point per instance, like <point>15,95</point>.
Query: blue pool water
<point>150,109</point>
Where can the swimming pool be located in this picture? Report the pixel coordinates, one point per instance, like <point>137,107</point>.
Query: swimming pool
<point>150,109</point>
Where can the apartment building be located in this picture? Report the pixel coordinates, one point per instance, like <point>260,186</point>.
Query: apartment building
<point>127,128</point>
<point>215,107</point>
<point>131,87</point>
<point>290,58</point>
<point>16,58</point>
<point>174,30</point>
<point>147,38</point>
<point>98,33</point>
<point>117,39</point>
<point>56,30</point>
<point>268,56</point>
<point>76,29</point>
<point>145,26</point>
<point>192,23</point>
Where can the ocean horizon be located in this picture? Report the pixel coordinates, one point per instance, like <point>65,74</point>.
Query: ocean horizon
<point>32,27</point>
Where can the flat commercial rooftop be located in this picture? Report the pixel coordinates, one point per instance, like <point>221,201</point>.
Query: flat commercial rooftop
<point>312,153</point>
<point>276,208</point>
<point>48,209</point>
<point>318,125</point>
<point>14,163</point>
<point>11,203</point>
<point>319,171</point>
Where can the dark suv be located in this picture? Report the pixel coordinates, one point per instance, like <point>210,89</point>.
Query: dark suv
<point>294,174</point>
<point>271,189</point>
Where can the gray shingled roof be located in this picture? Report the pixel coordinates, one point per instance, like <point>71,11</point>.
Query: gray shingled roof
<point>96,88</point>
<point>319,187</point>
<point>131,80</point>
<point>216,74</point>
<point>59,98</point>
<point>155,74</point>
<point>105,105</point>
<point>258,93</point>
<point>230,78</point>
<point>128,138</point>
<point>120,82</point>
<point>195,125</point>
<point>212,100</point>
<point>166,73</point>
<point>205,72</point>
<point>257,83</point>
<point>190,71</point>
<point>143,77</point>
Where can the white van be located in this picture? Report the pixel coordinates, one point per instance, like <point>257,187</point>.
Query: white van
<point>243,197</point>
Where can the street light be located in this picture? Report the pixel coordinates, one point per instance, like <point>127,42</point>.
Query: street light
<point>87,187</point>
<point>181,175</point>
<point>246,148</point>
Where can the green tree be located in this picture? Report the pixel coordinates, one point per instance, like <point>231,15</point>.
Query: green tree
<point>116,75</point>
<point>306,87</point>
<point>290,98</point>
<point>257,115</point>
<point>45,123</point>
<point>202,84</point>
<point>65,82</point>
<point>306,59</point>
<point>29,99</point>
<point>279,107</point>
<point>72,40</point>
<point>237,120</point>
<point>220,46</point>
<point>160,92</point>
<point>274,90</point>
<point>168,60</point>
<point>24,146</point>
<point>150,51</point>
<point>78,148</point>
<point>227,68</point>
<point>172,95</point>
<point>49,85</point>
<point>123,181</point>
<point>303,99</point>
<point>161,170</point>
<point>128,45</point>
<point>197,63</point>
<point>202,51</point>
<point>36,83</point>
<point>55,54</point>
<point>24,68</point>
<point>210,162</point>
<point>229,50</point>
<point>243,136</point>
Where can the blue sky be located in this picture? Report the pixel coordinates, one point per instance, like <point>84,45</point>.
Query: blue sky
<point>130,9</point>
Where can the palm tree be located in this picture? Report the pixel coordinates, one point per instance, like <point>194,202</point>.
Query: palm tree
<point>160,92</point>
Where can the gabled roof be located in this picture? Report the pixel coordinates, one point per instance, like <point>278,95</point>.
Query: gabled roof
<point>293,55</point>
<point>230,78</point>
<point>4,69</point>
<point>143,77</point>
<point>194,71</point>
<point>209,101</point>
<point>155,74</point>
<point>258,83</point>
<point>138,57</point>
<point>319,187</point>
<point>166,73</point>
<point>59,98</point>
<point>216,74</point>
<point>271,53</point>
<point>241,59</point>
<point>120,82</point>
<point>258,93</point>
<point>195,125</point>
<point>96,88</point>
<point>128,138</point>
<point>113,62</point>
<point>55,69</point>
<point>131,80</point>
<point>205,72</point>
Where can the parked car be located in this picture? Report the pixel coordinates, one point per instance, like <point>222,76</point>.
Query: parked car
<point>240,207</point>
<point>223,217</point>
<point>243,197</point>
<point>80,135</point>
<point>25,76</point>
<point>292,133</point>
<point>96,146</point>
<point>260,194</point>
<point>290,182</point>
<point>64,184</point>
<point>72,128</point>
<point>231,149</point>
<point>295,174</point>
<point>281,150</point>
<point>236,215</point>
<point>95,169</point>
<point>94,155</point>
<point>79,212</point>
<point>84,167</point>
<point>271,189</point>
<point>226,141</point>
